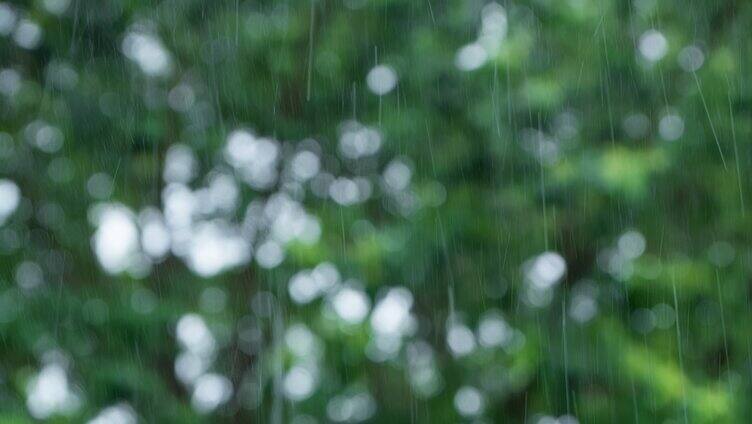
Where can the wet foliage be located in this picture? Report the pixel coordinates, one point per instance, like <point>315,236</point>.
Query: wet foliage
<point>375,211</point>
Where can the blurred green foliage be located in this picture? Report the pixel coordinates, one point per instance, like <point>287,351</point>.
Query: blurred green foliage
<point>581,129</point>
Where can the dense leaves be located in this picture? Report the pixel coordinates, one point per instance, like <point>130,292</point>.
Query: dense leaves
<point>375,210</point>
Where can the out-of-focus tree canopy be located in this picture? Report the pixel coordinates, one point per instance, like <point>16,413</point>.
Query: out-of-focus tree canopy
<point>375,211</point>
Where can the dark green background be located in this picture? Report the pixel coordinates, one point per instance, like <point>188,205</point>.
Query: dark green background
<point>463,130</point>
